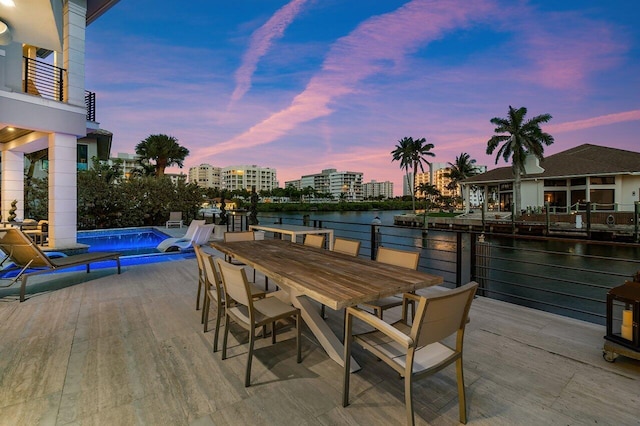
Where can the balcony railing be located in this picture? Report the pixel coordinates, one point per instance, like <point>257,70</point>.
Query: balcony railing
<point>42,79</point>
<point>47,81</point>
<point>90,102</point>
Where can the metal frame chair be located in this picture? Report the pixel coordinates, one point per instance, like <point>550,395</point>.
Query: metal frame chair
<point>346,246</point>
<point>401,258</point>
<point>314,240</point>
<point>215,291</point>
<point>175,218</point>
<point>252,314</point>
<point>416,350</point>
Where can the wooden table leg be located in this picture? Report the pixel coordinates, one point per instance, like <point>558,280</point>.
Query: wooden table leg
<point>326,337</point>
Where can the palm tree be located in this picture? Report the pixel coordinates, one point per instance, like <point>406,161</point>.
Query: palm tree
<point>162,149</point>
<point>521,138</point>
<point>411,154</point>
<point>463,168</point>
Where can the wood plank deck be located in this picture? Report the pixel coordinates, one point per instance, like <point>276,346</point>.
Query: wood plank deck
<point>129,349</point>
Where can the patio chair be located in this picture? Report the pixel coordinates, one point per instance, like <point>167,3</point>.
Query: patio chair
<point>313,240</point>
<point>168,243</point>
<point>345,246</point>
<point>201,278</point>
<point>30,260</point>
<point>175,219</point>
<point>230,237</point>
<point>214,291</point>
<point>38,231</point>
<point>252,314</point>
<point>416,350</point>
<point>401,258</point>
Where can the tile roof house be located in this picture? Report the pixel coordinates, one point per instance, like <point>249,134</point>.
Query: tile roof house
<point>608,178</point>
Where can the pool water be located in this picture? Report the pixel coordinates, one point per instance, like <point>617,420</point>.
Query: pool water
<point>128,241</point>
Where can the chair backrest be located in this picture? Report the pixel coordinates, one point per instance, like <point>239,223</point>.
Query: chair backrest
<point>442,315</point>
<point>200,259</point>
<point>403,258</point>
<point>234,281</point>
<point>344,246</point>
<point>29,224</point>
<point>202,235</point>
<point>21,249</point>
<point>314,240</point>
<point>230,237</point>
<point>175,216</point>
<point>191,230</point>
<point>212,276</point>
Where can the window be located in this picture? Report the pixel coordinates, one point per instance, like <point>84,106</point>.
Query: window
<point>83,154</point>
<point>603,180</point>
<point>506,186</point>
<point>579,181</point>
<point>555,182</point>
<point>603,198</point>
<point>556,198</point>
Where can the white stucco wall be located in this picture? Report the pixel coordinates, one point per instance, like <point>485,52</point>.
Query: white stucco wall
<point>532,193</point>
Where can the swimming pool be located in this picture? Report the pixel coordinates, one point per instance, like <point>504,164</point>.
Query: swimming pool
<point>137,245</point>
<point>128,241</point>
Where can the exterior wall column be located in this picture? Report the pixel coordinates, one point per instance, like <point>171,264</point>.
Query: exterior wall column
<point>485,200</point>
<point>75,13</point>
<point>12,183</point>
<point>466,194</point>
<point>63,193</point>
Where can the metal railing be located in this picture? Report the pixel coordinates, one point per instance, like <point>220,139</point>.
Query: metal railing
<point>563,276</point>
<point>42,79</point>
<point>90,103</point>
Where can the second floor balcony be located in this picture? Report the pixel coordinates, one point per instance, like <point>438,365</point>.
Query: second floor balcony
<point>49,82</point>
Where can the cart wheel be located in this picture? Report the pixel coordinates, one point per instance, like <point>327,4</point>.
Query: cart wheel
<point>609,356</point>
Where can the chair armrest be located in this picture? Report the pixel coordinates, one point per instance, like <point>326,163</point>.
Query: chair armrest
<point>411,296</point>
<point>381,326</point>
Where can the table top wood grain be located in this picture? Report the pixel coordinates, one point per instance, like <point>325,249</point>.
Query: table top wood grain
<point>333,279</point>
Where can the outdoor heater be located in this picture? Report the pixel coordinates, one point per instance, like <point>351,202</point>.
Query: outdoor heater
<point>623,321</point>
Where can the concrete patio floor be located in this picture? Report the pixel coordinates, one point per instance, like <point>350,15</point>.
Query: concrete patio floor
<point>129,349</point>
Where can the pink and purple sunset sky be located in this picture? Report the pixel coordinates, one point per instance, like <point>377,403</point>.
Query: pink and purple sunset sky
<point>306,85</point>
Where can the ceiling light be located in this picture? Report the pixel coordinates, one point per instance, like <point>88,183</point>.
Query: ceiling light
<point>5,34</point>
<point>8,3</point>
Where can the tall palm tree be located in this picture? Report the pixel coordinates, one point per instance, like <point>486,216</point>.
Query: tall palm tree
<point>519,138</point>
<point>411,155</point>
<point>461,169</point>
<point>162,149</point>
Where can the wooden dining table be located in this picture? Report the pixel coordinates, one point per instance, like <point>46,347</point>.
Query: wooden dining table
<point>293,231</point>
<point>333,279</point>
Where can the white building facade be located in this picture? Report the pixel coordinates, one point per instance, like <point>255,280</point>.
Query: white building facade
<point>206,176</point>
<point>247,176</point>
<point>345,186</point>
<point>374,190</point>
<point>44,104</point>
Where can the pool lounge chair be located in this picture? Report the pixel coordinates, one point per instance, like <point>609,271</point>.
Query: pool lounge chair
<point>166,244</point>
<point>30,260</point>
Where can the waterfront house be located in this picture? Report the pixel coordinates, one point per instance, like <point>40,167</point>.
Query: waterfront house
<point>44,104</point>
<point>607,178</point>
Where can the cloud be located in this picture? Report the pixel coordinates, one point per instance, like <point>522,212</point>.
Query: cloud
<point>564,48</point>
<point>369,49</point>
<point>602,120</point>
<point>261,42</point>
